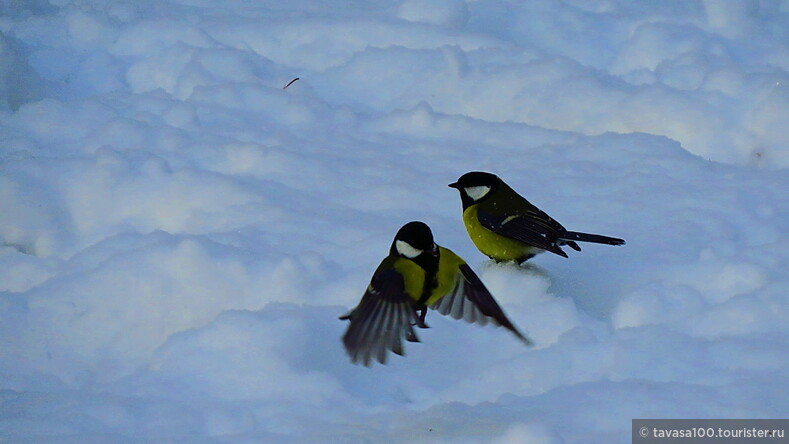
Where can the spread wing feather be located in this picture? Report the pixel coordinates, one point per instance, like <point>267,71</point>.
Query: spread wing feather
<point>381,321</point>
<point>471,301</point>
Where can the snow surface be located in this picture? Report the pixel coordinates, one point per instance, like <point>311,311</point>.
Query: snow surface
<point>179,233</point>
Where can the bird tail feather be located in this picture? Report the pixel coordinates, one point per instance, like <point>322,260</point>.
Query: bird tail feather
<point>586,237</point>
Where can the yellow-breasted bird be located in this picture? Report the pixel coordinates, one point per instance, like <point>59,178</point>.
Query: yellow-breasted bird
<point>506,227</point>
<point>416,275</point>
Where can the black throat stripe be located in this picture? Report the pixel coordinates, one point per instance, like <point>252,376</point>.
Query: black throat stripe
<point>430,265</point>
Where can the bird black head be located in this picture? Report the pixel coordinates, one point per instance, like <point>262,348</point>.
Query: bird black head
<point>413,240</point>
<point>475,186</point>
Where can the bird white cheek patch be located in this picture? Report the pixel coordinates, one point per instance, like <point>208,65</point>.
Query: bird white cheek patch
<point>405,249</point>
<point>477,193</point>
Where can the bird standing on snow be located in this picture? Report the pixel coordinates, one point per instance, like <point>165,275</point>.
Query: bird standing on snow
<point>506,227</point>
<point>417,274</point>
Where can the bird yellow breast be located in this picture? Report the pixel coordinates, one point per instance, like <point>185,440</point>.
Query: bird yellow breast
<point>491,244</point>
<point>448,274</point>
<point>413,277</point>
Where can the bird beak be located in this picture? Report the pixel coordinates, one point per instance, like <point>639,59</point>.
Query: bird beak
<point>454,185</point>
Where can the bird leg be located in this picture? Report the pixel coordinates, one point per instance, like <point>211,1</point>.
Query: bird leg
<point>420,319</point>
<point>521,261</point>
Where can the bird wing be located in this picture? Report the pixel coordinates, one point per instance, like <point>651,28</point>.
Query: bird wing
<point>471,301</point>
<point>381,320</point>
<point>533,227</point>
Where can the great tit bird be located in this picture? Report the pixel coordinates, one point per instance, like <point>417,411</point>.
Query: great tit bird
<point>416,275</point>
<point>506,227</point>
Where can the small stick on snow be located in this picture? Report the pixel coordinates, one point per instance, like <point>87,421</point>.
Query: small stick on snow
<point>290,83</point>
